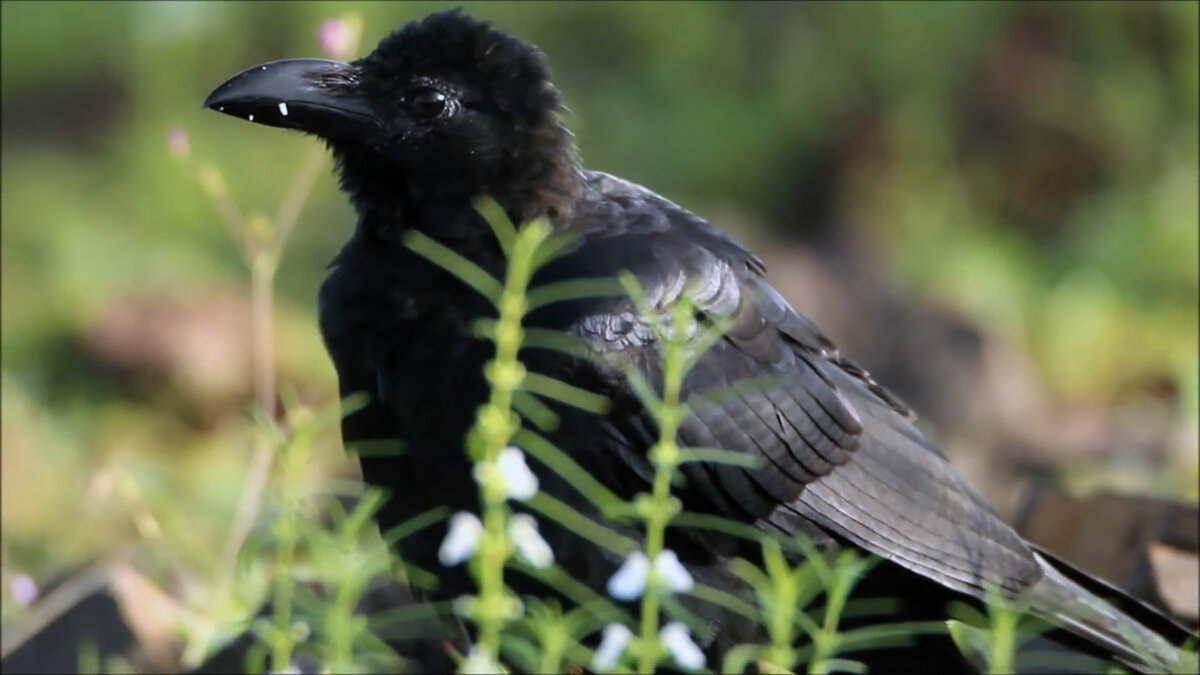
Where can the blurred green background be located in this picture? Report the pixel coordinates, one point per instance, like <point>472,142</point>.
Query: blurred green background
<point>1022,177</point>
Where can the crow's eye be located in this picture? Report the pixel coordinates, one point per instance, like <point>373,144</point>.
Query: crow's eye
<point>426,104</point>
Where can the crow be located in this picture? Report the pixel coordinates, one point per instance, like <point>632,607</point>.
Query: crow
<point>450,108</point>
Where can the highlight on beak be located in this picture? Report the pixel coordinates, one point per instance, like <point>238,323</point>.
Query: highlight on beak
<point>314,95</point>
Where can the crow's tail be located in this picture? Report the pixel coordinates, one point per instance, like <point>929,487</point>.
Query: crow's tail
<point>1134,633</point>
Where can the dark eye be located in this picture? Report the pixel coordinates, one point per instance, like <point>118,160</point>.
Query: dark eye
<point>426,103</point>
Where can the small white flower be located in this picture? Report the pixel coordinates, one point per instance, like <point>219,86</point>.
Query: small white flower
<point>668,568</point>
<point>613,641</point>
<point>250,118</point>
<point>679,642</point>
<point>519,480</point>
<point>630,579</point>
<point>524,532</point>
<point>478,662</point>
<point>461,538</point>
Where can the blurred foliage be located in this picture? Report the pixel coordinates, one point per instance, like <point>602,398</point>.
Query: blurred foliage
<point>1033,166</point>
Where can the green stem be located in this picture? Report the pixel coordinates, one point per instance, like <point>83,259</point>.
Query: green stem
<point>1004,631</point>
<point>341,623</point>
<point>783,608</point>
<point>660,509</point>
<point>826,641</point>
<point>496,426</point>
<point>287,534</point>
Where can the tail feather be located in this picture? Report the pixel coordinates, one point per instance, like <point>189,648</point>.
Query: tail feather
<point>1144,613</point>
<point>1061,598</point>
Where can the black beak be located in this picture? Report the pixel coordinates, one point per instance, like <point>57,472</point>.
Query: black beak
<point>315,95</point>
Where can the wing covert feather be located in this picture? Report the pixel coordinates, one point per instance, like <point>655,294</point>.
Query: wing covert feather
<point>841,452</point>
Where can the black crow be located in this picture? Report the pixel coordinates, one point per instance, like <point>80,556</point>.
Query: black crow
<point>450,108</point>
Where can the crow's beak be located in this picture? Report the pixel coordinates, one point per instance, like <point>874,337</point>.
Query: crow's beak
<point>314,95</point>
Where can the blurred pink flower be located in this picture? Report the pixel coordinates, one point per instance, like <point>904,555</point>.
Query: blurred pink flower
<point>177,143</point>
<point>336,37</point>
<point>24,589</point>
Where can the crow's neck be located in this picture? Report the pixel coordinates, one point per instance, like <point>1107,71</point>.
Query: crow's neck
<point>543,181</point>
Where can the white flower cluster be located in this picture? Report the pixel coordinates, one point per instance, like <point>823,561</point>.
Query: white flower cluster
<point>674,636</point>
<point>519,481</point>
<point>629,581</point>
<point>462,537</point>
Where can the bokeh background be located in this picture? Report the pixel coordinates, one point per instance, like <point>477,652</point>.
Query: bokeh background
<point>992,206</point>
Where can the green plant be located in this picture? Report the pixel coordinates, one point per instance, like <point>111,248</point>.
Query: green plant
<point>781,593</point>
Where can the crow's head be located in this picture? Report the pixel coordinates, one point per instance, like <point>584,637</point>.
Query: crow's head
<point>443,110</point>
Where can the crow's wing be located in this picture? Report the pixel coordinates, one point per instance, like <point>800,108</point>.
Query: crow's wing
<point>840,451</point>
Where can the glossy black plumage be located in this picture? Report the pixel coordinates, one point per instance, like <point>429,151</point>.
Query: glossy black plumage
<point>463,109</point>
